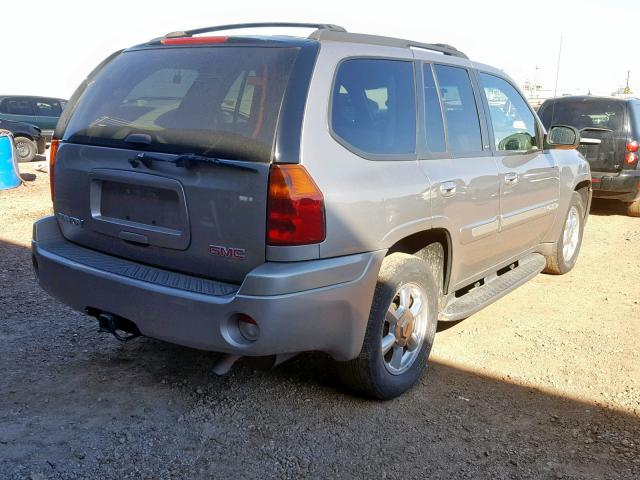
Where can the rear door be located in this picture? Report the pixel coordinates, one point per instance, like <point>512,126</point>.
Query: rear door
<point>602,125</point>
<point>529,177</point>
<point>118,187</point>
<point>465,189</point>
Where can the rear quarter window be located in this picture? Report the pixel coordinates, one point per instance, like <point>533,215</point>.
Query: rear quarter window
<point>373,106</point>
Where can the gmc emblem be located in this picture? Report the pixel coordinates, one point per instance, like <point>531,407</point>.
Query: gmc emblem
<point>228,252</point>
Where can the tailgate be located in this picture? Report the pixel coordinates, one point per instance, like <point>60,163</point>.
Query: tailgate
<point>121,183</point>
<point>599,147</point>
<point>206,220</point>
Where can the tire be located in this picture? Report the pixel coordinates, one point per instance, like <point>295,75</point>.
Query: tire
<point>633,209</point>
<point>26,149</point>
<point>374,374</point>
<point>564,259</point>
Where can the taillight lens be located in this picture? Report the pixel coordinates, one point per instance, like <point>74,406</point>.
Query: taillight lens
<point>295,212</point>
<point>632,146</point>
<point>53,151</point>
<point>631,158</point>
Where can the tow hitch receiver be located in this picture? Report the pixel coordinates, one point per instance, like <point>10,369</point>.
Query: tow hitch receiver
<point>115,325</point>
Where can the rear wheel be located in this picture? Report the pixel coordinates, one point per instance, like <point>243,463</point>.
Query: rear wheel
<point>568,245</point>
<point>26,149</point>
<point>633,209</point>
<point>402,325</point>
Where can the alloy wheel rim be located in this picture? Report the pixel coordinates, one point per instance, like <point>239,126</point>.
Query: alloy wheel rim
<point>571,234</point>
<point>404,329</point>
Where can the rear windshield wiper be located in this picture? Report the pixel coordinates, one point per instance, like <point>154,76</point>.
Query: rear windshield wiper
<point>187,160</point>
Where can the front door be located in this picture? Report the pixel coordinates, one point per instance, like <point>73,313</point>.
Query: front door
<point>529,178</point>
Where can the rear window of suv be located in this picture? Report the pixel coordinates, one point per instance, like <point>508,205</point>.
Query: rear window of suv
<point>218,101</point>
<point>584,114</point>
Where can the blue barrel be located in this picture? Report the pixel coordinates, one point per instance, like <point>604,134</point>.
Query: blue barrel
<point>9,177</point>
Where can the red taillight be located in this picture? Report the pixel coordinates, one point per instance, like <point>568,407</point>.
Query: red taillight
<point>632,146</point>
<point>295,212</point>
<point>53,151</point>
<point>630,158</point>
<point>193,40</point>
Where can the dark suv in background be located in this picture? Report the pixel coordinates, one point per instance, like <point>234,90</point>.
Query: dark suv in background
<point>28,138</point>
<point>610,136</point>
<point>43,112</point>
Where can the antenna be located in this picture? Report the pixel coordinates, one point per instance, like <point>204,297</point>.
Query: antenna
<point>555,89</point>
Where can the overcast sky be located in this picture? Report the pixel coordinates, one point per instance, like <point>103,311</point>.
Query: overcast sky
<point>66,39</point>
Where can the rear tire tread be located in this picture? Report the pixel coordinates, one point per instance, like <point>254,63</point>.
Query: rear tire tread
<point>363,374</point>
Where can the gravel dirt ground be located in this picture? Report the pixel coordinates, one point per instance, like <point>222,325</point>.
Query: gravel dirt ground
<point>544,384</point>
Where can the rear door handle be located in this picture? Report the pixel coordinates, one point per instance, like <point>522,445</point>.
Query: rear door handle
<point>511,177</point>
<point>448,189</point>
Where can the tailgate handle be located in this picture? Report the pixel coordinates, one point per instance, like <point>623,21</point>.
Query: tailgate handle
<point>133,237</point>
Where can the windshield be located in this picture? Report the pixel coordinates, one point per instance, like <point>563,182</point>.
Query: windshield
<point>584,114</point>
<point>218,101</point>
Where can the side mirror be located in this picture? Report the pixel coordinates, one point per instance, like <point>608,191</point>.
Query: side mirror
<point>562,136</point>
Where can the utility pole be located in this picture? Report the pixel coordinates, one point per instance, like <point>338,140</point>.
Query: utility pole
<point>627,90</point>
<point>555,89</point>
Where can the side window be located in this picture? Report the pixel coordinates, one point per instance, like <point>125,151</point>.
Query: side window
<point>17,106</point>
<point>545,114</point>
<point>460,109</point>
<point>635,117</point>
<point>47,108</point>
<point>433,114</point>
<point>373,106</point>
<point>514,126</point>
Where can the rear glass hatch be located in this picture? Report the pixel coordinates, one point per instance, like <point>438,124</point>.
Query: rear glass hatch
<point>602,127</point>
<point>165,159</point>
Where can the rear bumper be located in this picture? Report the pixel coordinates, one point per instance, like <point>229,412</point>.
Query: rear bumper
<point>320,305</point>
<point>623,186</point>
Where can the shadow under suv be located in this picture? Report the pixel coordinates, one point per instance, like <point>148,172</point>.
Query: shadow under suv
<point>270,195</point>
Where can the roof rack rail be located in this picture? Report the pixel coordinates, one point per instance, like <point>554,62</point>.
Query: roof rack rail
<point>344,36</point>
<point>219,28</point>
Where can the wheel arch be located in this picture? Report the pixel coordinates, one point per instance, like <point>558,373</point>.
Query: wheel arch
<point>24,135</point>
<point>419,243</point>
<point>584,190</point>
